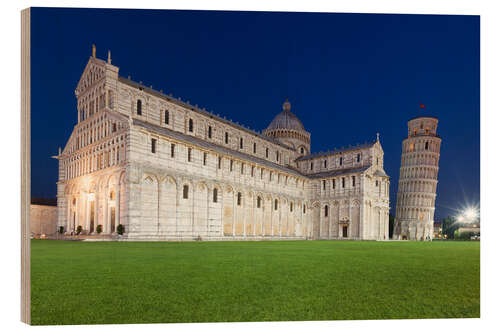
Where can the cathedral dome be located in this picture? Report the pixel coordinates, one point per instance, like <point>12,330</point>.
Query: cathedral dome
<point>286,120</point>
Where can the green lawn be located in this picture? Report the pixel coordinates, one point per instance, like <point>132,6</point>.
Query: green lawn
<point>136,282</point>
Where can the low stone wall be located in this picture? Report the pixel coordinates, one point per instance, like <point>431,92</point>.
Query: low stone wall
<point>43,220</point>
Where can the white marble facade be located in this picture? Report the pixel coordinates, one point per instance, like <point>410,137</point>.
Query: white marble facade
<point>168,170</point>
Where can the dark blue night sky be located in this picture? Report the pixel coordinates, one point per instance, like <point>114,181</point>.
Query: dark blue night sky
<point>348,76</point>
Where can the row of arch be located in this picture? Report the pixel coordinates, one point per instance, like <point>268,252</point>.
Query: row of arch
<point>88,204</point>
<point>92,75</point>
<point>287,133</point>
<point>95,99</point>
<point>332,163</point>
<point>95,130</point>
<point>431,159</point>
<point>420,145</point>
<point>419,172</point>
<point>182,208</point>
<point>178,207</point>
<point>108,154</point>
<point>411,185</point>
<point>417,200</point>
<point>350,219</point>
<point>412,213</point>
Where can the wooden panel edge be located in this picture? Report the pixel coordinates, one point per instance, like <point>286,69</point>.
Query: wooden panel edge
<point>25,165</point>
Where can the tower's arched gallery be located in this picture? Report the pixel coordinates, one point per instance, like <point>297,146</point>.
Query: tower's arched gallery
<point>167,170</point>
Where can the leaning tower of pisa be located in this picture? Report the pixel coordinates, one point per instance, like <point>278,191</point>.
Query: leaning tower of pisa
<point>418,180</point>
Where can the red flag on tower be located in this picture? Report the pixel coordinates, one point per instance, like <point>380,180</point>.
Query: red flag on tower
<point>422,106</point>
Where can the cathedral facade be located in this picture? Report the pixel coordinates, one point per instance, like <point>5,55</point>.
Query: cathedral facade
<point>163,169</point>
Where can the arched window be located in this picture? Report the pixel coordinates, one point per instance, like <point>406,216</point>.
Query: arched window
<point>139,107</point>
<point>412,147</point>
<point>209,132</point>
<point>291,206</point>
<point>358,158</point>
<point>326,211</point>
<point>241,143</point>
<point>215,195</point>
<point>254,147</point>
<point>311,166</point>
<point>275,204</point>
<point>324,164</point>
<point>112,195</point>
<point>277,156</point>
<point>226,137</point>
<point>258,202</point>
<point>239,199</point>
<point>167,117</point>
<point>427,146</point>
<point>304,209</point>
<point>340,160</point>
<point>267,152</point>
<point>302,150</point>
<point>190,127</point>
<point>185,191</point>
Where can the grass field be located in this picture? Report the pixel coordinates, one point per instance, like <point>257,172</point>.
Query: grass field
<point>136,282</point>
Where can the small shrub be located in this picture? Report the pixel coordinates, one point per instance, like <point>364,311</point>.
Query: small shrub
<point>120,229</point>
<point>79,230</point>
<point>99,228</point>
<point>61,229</point>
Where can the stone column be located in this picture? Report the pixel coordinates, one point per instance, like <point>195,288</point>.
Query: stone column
<point>117,205</point>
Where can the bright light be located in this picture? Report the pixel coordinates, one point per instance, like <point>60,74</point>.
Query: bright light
<point>470,213</point>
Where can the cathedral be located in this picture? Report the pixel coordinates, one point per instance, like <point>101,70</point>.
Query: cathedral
<point>143,165</point>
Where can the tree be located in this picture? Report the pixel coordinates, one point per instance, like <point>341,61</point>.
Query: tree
<point>448,227</point>
<point>120,229</point>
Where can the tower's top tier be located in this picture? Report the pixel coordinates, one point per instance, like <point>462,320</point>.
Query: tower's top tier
<point>422,126</point>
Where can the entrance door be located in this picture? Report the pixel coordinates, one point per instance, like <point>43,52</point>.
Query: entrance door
<point>344,231</point>
<point>92,213</point>
<point>112,219</point>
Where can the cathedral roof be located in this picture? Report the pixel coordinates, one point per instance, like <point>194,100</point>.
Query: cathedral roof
<point>195,108</point>
<point>286,120</point>
<point>206,144</point>
<point>336,151</point>
<point>380,173</point>
<point>335,173</point>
